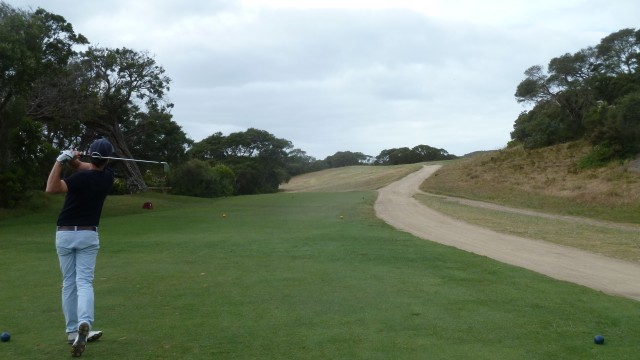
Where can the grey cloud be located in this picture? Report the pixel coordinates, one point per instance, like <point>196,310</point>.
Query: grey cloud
<point>303,45</point>
<point>349,79</point>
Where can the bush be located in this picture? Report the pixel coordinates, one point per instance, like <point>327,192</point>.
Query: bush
<point>198,178</point>
<point>119,187</point>
<point>599,155</point>
<point>11,190</point>
<point>225,180</point>
<point>544,125</point>
<point>617,128</point>
<point>153,179</point>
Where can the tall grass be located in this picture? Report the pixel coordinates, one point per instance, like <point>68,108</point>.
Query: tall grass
<point>547,179</point>
<point>283,276</point>
<point>350,178</point>
<point>621,242</point>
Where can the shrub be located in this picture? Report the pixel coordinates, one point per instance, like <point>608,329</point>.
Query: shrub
<point>198,178</point>
<point>119,187</point>
<point>617,128</point>
<point>599,156</point>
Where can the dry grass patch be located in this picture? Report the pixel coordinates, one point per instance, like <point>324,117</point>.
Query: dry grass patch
<point>620,242</point>
<point>546,179</point>
<point>352,178</point>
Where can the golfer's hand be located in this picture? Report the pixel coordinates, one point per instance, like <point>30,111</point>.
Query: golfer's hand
<point>65,156</point>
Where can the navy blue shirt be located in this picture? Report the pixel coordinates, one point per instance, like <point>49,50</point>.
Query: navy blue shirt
<point>85,198</point>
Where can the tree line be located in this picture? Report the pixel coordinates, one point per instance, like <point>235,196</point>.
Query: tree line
<point>57,91</point>
<point>255,161</point>
<point>593,94</point>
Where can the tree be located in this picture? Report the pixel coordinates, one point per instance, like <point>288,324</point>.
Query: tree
<point>211,148</point>
<point>565,85</point>
<point>35,46</point>
<point>199,178</point>
<point>571,71</point>
<point>429,153</point>
<point>618,127</point>
<point>414,155</point>
<point>574,86</point>
<point>29,165</point>
<point>257,158</point>
<point>609,88</point>
<point>347,158</point>
<point>402,155</point>
<point>535,87</point>
<point>125,82</point>
<point>298,162</point>
<point>619,52</point>
<point>156,136</point>
<point>255,143</point>
<point>546,124</point>
<point>70,98</point>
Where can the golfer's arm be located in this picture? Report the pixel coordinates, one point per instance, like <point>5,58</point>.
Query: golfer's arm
<point>55,184</point>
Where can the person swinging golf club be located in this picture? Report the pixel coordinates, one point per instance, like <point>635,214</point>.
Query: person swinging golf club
<point>77,240</point>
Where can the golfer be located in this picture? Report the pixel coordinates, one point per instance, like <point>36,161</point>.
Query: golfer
<point>77,241</point>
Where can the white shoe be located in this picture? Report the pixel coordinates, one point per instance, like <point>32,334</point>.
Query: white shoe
<point>93,336</point>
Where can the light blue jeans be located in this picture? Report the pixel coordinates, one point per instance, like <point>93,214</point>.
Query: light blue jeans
<point>77,252</point>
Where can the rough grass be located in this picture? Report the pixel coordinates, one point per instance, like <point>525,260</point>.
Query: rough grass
<point>546,179</point>
<point>609,239</point>
<point>352,178</point>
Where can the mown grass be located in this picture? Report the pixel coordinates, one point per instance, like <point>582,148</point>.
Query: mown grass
<point>283,277</point>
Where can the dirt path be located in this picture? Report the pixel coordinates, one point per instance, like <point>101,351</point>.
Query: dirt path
<point>397,207</point>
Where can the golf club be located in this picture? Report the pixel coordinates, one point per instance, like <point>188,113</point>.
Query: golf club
<point>164,163</point>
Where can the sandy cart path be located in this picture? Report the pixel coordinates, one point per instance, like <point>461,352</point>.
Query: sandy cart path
<point>396,206</point>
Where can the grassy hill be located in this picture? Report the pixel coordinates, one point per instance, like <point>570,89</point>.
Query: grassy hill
<point>350,178</point>
<point>547,179</point>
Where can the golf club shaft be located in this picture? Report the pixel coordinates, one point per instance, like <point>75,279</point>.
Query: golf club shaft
<point>125,159</point>
<point>164,163</point>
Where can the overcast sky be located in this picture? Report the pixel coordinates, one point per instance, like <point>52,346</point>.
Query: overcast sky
<point>349,75</point>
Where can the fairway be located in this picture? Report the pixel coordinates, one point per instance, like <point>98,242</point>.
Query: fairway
<point>282,276</point>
